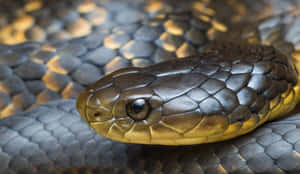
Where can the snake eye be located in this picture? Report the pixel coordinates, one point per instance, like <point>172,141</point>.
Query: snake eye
<point>138,109</point>
<point>97,114</point>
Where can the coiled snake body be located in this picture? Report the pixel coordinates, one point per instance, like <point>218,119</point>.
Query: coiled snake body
<point>219,93</point>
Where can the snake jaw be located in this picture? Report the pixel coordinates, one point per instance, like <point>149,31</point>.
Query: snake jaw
<point>81,104</point>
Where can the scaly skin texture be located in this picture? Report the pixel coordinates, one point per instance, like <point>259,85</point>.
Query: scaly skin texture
<point>38,72</point>
<point>53,138</point>
<point>214,96</point>
<point>273,148</point>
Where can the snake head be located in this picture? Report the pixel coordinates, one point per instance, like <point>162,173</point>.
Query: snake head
<point>150,106</point>
<point>212,97</point>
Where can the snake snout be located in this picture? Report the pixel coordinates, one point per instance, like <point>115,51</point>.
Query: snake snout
<point>91,108</point>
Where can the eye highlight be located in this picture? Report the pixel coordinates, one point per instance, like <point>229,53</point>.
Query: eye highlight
<point>138,109</point>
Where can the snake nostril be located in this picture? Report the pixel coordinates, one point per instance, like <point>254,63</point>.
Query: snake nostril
<point>97,114</point>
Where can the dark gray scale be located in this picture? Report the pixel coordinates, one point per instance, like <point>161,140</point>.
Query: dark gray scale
<point>147,33</point>
<point>227,98</point>
<point>161,55</point>
<point>275,88</point>
<point>133,80</point>
<point>259,83</point>
<point>179,105</point>
<point>258,104</point>
<point>172,41</point>
<point>175,66</point>
<point>207,69</point>
<point>221,75</point>
<point>241,68</point>
<point>198,94</point>
<point>262,67</point>
<point>241,113</point>
<point>169,87</point>
<point>195,36</point>
<point>135,49</point>
<point>211,106</point>
<point>226,66</point>
<point>246,96</point>
<point>212,86</point>
<point>237,81</point>
<point>277,71</point>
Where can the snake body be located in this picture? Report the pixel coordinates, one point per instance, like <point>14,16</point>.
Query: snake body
<point>52,138</point>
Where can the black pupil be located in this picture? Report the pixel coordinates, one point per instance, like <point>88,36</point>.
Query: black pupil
<point>138,106</point>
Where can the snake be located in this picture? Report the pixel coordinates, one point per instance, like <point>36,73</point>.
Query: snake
<point>215,91</point>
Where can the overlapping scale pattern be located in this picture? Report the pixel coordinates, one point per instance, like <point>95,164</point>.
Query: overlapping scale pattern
<point>273,148</point>
<point>244,97</point>
<point>114,36</point>
<point>73,147</point>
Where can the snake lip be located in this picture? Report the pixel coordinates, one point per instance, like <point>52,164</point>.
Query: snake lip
<point>81,104</point>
